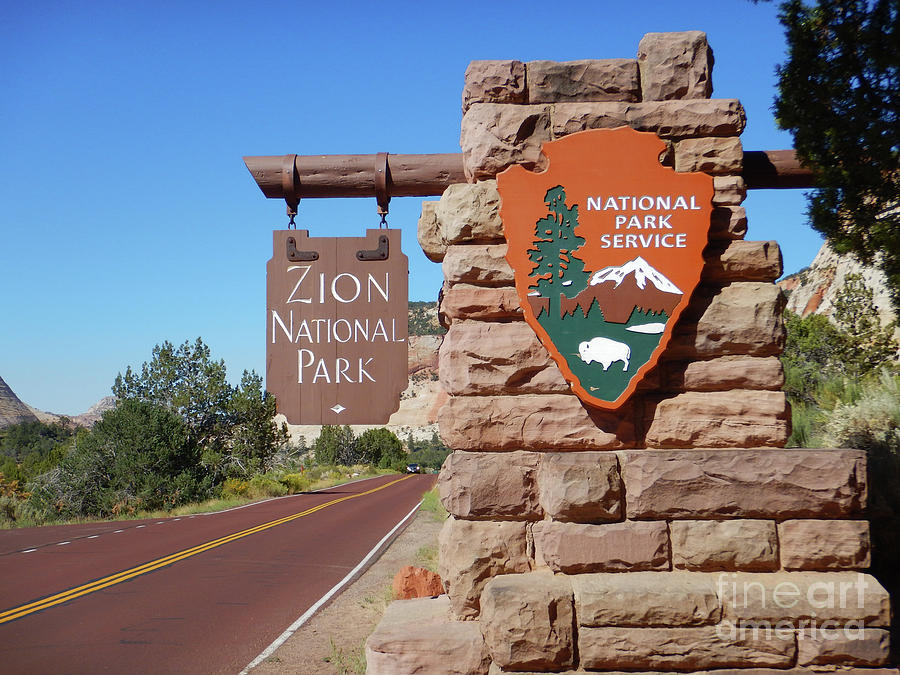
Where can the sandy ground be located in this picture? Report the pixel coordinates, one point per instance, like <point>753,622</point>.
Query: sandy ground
<point>333,640</point>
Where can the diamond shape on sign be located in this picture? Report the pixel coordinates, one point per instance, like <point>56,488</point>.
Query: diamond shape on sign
<point>338,409</point>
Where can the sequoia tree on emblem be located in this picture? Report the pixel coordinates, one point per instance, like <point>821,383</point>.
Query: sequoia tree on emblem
<point>607,248</point>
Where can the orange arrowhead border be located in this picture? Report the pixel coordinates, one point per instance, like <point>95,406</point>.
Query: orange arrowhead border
<point>605,162</point>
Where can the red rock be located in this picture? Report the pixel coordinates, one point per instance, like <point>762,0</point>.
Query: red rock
<point>465,301</point>
<point>824,544</point>
<point>416,582</point>
<point>574,548</point>
<point>742,261</point>
<point>490,485</point>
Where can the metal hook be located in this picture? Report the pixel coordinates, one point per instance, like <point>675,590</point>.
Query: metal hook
<point>382,189</point>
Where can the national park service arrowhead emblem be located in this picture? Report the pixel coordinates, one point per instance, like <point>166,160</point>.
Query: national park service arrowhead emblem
<point>607,248</point>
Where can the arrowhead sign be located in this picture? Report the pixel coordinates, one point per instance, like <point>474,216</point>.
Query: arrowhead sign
<point>607,248</point>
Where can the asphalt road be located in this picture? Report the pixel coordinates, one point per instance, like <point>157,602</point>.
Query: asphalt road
<point>196,594</point>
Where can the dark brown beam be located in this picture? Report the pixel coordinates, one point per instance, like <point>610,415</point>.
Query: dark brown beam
<point>775,169</point>
<point>315,176</point>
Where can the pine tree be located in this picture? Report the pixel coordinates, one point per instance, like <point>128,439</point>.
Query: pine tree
<point>554,242</point>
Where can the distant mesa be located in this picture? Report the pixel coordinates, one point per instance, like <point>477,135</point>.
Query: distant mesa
<point>618,290</point>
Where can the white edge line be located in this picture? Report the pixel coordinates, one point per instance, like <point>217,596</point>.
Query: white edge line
<point>281,639</point>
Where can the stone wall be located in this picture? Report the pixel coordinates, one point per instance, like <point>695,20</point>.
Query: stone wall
<point>676,533</point>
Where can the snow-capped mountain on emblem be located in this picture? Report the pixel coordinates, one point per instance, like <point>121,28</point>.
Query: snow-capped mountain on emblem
<point>607,248</point>
<point>620,289</point>
<point>642,271</point>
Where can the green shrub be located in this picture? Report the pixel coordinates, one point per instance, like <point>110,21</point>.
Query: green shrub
<point>295,482</point>
<point>234,487</point>
<point>263,486</point>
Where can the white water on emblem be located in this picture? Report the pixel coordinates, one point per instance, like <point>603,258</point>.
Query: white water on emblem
<point>648,328</point>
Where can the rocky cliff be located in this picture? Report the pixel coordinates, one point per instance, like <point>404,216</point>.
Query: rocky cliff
<point>813,290</point>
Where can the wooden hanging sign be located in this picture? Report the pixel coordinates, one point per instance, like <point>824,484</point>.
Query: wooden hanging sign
<point>336,326</point>
<point>607,248</point>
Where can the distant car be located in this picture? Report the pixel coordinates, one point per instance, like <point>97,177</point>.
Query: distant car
<point>413,468</point>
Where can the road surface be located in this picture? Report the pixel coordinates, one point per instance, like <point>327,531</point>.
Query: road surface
<point>196,594</point>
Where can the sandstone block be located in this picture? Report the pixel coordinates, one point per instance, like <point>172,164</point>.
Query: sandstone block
<point>739,418</point>
<point>416,582</point>
<point>741,318</point>
<point>675,65</point>
<point>715,156</point>
<point>418,636</point>
<point>824,544</point>
<point>668,119</point>
<point>494,82</point>
<point>470,212</point>
<point>841,597</point>
<point>494,136</point>
<point>587,80</point>
<point>570,118</point>
<point>679,649</point>
<point>472,552</point>
<point>745,483</point>
<point>465,301</point>
<point>729,190</point>
<point>478,264</point>
<point>724,373</point>
<point>488,485</point>
<point>527,621</point>
<point>728,222</point>
<point>742,261</point>
<point>573,548</point>
<point>724,545</point>
<point>532,422</point>
<point>646,599</point>
<point>687,119</point>
<point>478,358</point>
<point>581,486</point>
<point>430,237</point>
<point>843,646</point>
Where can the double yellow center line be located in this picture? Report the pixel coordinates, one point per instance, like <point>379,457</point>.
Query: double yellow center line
<point>118,578</point>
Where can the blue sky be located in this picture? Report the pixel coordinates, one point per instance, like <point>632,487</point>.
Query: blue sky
<point>128,217</point>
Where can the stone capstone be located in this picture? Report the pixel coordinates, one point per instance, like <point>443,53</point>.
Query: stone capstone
<point>527,621</point>
<point>488,485</point>
<point>587,80</point>
<point>419,636</point>
<point>494,136</point>
<point>494,82</point>
<point>531,422</point>
<point>573,548</point>
<point>824,544</point>
<point>646,599</point>
<point>472,552</point>
<point>580,486</point>
<point>675,65</point>
<point>743,483</point>
<point>729,545</point>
